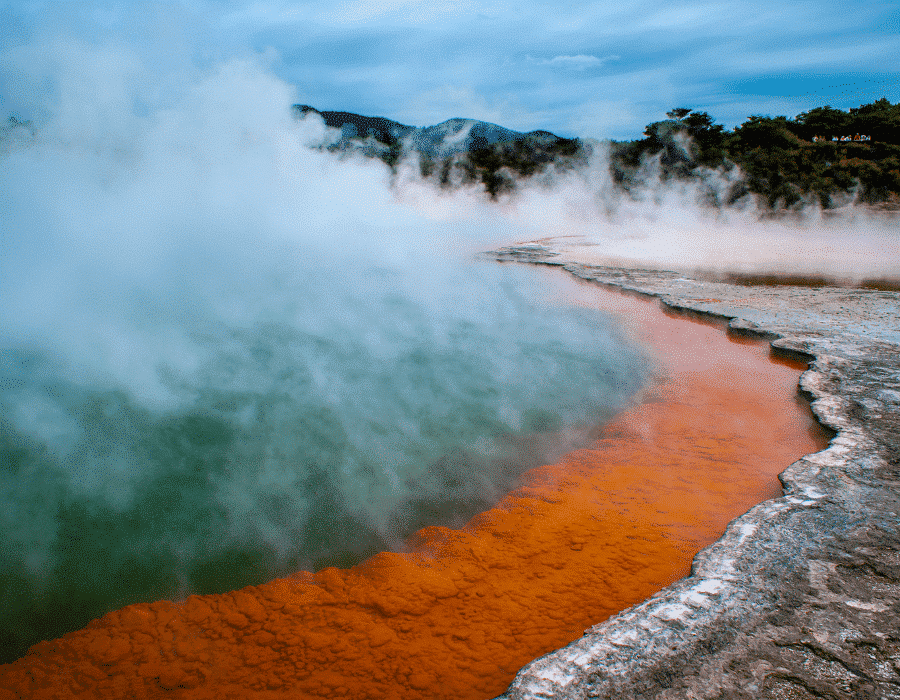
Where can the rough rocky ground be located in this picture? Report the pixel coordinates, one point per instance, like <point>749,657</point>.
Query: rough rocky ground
<point>800,599</point>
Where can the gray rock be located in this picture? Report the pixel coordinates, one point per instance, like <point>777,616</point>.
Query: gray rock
<point>801,596</point>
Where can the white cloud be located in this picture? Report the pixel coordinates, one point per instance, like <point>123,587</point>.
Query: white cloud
<point>579,62</point>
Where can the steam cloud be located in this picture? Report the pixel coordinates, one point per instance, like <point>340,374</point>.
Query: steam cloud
<point>228,356</point>
<point>676,224</point>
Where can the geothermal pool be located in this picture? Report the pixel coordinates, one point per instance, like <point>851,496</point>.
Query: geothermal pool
<point>322,421</point>
<point>462,604</point>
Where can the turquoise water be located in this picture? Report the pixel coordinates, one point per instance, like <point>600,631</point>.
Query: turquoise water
<point>326,420</point>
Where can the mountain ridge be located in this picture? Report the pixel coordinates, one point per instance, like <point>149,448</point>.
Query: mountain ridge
<point>465,134</point>
<point>457,151</point>
<point>783,163</point>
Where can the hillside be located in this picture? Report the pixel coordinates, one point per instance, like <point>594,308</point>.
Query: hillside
<point>824,155</point>
<point>457,151</point>
<point>820,155</point>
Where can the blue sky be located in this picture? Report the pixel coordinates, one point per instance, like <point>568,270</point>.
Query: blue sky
<point>597,69</point>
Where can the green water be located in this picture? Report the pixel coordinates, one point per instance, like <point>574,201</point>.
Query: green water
<point>301,435</point>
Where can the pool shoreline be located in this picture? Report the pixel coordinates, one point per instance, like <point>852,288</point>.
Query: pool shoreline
<point>801,596</point>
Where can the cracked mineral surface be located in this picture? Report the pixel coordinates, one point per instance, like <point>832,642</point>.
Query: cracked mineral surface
<point>800,598</point>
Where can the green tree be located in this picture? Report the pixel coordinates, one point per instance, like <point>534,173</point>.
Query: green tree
<point>879,119</point>
<point>823,121</point>
<point>765,132</point>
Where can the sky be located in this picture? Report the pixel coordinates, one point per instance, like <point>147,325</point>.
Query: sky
<point>587,69</point>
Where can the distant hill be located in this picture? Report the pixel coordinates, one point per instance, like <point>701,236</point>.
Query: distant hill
<point>456,151</point>
<point>356,127</point>
<point>784,163</point>
<point>447,138</point>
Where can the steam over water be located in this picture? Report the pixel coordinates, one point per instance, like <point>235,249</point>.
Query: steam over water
<point>226,357</point>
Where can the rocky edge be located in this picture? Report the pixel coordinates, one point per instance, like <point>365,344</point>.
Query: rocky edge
<point>801,596</point>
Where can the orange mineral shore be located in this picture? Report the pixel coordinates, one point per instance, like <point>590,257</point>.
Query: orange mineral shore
<point>457,615</point>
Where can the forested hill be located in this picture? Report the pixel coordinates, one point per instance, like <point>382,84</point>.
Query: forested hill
<point>456,151</point>
<point>824,154</point>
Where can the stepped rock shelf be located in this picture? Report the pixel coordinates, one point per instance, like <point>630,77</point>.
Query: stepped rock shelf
<point>801,596</point>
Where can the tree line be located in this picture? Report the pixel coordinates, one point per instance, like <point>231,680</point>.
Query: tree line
<point>783,162</point>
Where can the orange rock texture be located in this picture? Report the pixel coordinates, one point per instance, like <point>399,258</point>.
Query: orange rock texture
<point>462,610</point>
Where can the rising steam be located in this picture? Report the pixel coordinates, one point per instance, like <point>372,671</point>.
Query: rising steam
<point>679,224</point>
<point>228,356</point>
